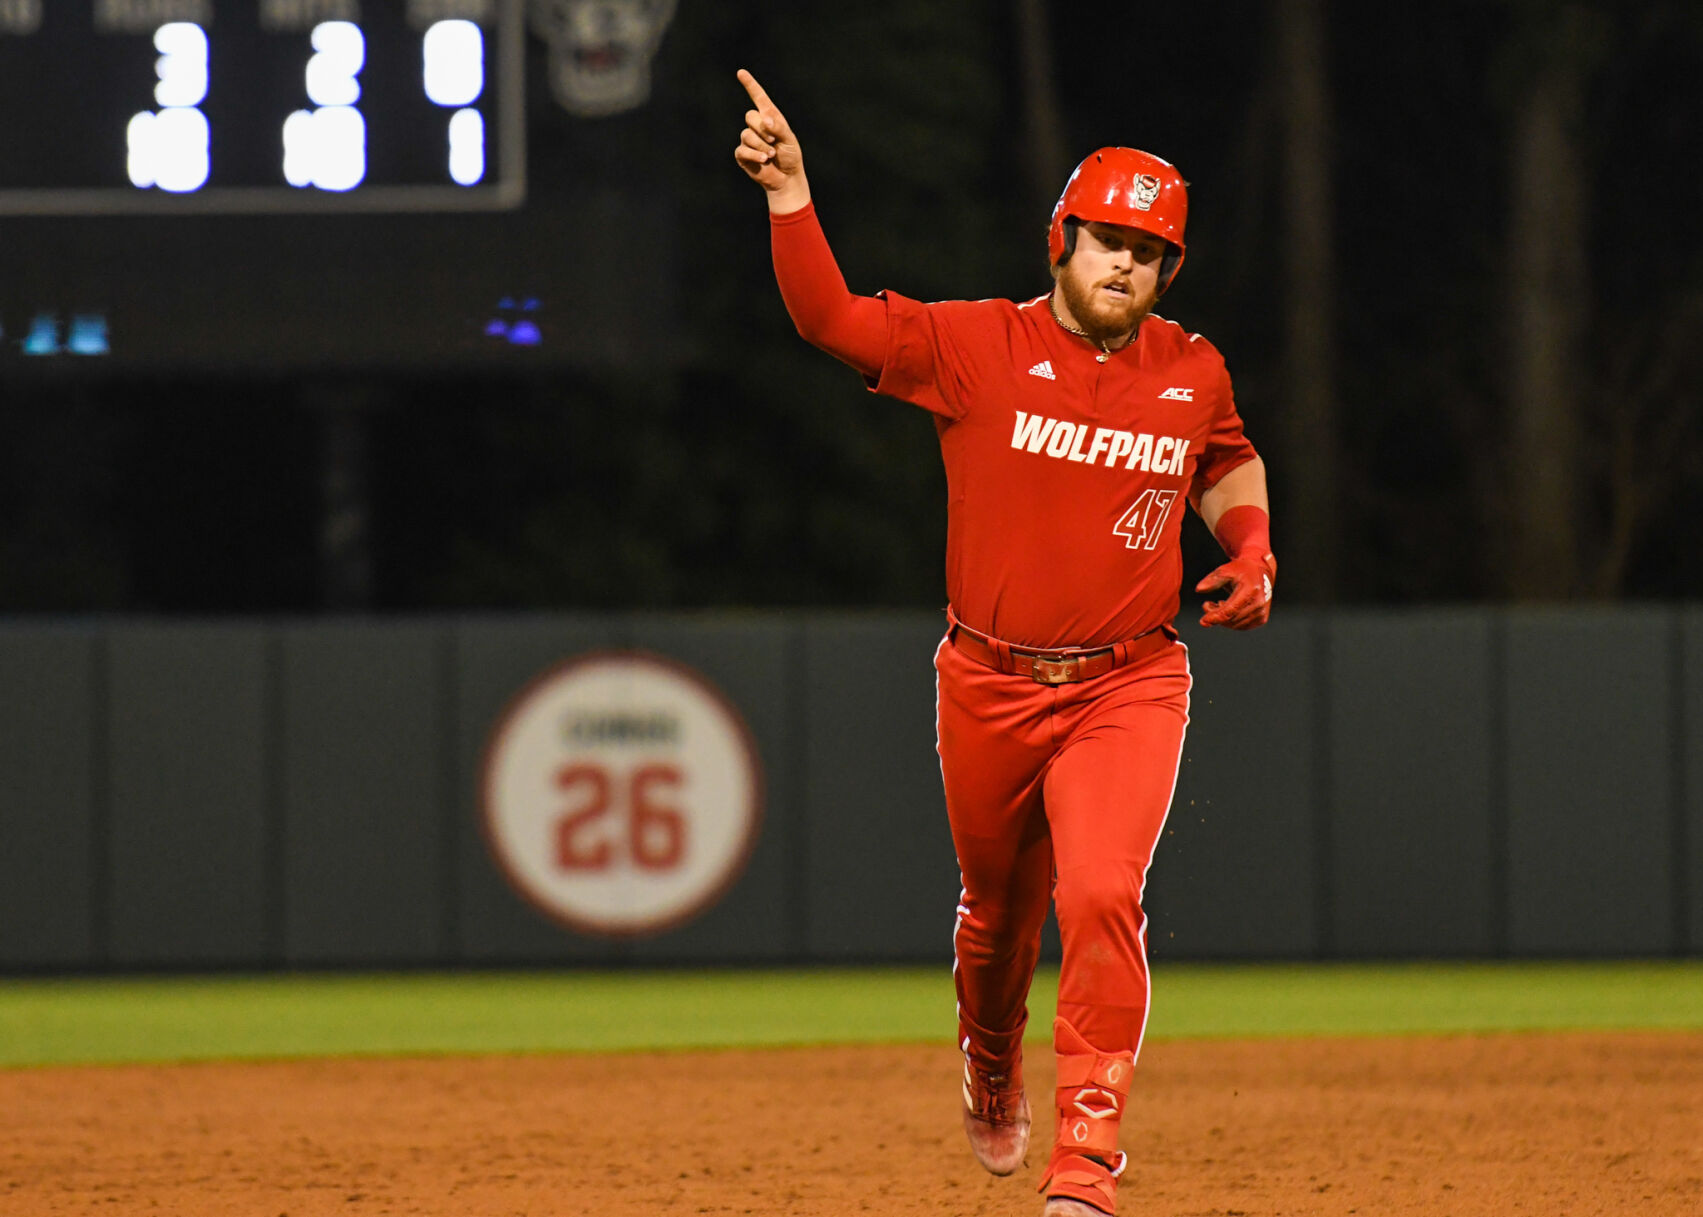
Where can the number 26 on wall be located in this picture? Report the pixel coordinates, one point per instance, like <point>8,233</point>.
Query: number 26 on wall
<point>592,836</point>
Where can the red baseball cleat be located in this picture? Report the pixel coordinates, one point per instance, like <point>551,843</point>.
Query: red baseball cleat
<point>996,1118</point>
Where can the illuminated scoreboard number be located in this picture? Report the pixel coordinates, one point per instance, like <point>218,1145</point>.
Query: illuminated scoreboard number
<point>111,106</point>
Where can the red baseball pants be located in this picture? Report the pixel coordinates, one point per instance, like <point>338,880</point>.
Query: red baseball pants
<point>1072,780</point>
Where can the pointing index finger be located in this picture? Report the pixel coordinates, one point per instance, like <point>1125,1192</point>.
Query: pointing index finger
<point>759,98</point>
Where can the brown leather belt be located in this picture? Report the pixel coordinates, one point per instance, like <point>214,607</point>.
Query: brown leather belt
<point>1059,666</point>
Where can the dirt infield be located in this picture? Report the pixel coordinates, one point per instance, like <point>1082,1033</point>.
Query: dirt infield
<point>1461,1125</point>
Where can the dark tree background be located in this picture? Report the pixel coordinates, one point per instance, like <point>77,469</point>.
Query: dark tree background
<point>1451,251</point>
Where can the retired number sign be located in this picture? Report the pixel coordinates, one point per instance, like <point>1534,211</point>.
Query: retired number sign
<point>622,794</point>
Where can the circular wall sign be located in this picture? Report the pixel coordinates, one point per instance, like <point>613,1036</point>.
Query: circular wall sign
<point>621,794</point>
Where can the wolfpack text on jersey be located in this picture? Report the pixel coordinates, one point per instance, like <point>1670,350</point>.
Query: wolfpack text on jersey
<point>1064,441</point>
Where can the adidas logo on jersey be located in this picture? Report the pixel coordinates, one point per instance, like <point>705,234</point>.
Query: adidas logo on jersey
<point>1043,369</point>
<point>1177,394</point>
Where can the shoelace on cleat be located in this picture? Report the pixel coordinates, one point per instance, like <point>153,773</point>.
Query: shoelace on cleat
<point>1000,1102</point>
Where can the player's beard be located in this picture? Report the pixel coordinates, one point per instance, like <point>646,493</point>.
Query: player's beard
<point>1102,318</point>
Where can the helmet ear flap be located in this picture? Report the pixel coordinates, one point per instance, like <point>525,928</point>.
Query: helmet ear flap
<point>1071,224</point>
<point>1168,264</point>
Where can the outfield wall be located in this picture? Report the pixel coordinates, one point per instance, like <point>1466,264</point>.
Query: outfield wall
<point>1454,783</point>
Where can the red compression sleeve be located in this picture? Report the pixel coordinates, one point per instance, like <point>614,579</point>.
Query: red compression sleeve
<point>850,328</point>
<point>1245,531</point>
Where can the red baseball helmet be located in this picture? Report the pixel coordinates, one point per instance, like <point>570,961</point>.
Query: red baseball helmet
<point>1124,186</point>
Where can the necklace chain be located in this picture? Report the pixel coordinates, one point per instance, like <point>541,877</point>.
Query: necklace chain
<point>1105,348</point>
<point>1052,307</point>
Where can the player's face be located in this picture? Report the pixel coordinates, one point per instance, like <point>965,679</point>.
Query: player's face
<point>1112,280</point>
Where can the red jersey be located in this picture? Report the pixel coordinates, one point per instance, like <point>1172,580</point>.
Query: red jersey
<point>1067,478</point>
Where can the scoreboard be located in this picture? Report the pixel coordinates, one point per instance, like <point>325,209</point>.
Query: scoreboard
<point>251,106</point>
<point>320,187</point>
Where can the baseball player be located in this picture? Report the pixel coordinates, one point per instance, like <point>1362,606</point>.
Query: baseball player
<point>1073,426</point>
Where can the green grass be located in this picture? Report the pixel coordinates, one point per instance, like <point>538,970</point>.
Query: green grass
<point>112,1020</point>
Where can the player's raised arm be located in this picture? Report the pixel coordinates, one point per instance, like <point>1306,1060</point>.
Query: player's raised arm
<point>768,151</point>
<point>850,328</point>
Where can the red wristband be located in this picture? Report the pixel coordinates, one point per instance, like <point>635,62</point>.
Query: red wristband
<point>1245,532</point>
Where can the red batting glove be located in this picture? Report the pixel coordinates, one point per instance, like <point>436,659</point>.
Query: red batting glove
<point>1245,534</point>
<point>1248,604</point>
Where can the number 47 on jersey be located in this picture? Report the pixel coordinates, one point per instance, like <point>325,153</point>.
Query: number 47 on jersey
<point>1143,524</point>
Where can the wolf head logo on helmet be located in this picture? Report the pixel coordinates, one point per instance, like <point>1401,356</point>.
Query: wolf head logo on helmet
<point>1146,191</point>
<point>1129,187</point>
